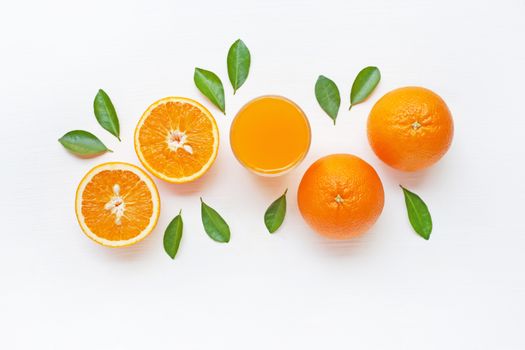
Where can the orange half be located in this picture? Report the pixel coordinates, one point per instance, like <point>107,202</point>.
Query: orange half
<point>117,204</point>
<point>177,139</point>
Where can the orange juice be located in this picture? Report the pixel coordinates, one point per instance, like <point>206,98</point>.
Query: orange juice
<point>270,135</point>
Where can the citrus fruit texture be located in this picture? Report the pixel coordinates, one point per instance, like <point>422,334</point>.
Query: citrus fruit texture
<point>340,196</point>
<point>177,139</point>
<point>117,204</point>
<point>410,128</point>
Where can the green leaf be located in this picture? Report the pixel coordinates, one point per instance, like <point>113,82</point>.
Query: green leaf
<point>238,64</point>
<point>83,143</point>
<point>274,216</point>
<point>418,214</point>
<point>327,95</point>
<point>214,224</point>
<point>211,86</point>
<point>173,235</point>
<point>106,114</point>
<point>364,84</point>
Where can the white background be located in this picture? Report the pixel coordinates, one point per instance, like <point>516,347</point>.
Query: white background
<point>390,289</point>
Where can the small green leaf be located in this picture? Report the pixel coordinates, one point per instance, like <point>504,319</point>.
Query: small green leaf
<point>173,235</point>
<point>238,64</point>
<point>327,95</point>
<point>83,143</point>
<point>364,84</point>
<point>418,214</point>
<point>274,216</point>
<point>211,86</point>
<point>214,224</point>
<point>106,114</point>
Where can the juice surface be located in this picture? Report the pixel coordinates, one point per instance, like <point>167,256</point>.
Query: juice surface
<point>270,135</point>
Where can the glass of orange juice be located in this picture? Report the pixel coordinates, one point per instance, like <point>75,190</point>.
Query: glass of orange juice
<point>270,135</point>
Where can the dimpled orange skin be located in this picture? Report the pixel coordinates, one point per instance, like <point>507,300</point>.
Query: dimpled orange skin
<point>340,196</point>
<point>410,128</point>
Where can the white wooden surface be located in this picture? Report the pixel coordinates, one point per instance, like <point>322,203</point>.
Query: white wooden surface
<point>464,289</point>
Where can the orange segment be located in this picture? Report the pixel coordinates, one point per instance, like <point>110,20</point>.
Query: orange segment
<point>117,204</point>
<point>177,139</point>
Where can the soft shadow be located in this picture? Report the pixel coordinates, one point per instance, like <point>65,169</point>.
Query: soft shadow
<point>407,179</point>
<point>326,247</point>
<point>139,251</point>
<point>270,185</point>
<point>346,248</point>
<point>414,179</point>
<point>197,186</point>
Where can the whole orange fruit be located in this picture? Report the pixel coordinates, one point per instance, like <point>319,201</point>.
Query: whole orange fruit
<point>410,128</point>
<point>340,196</point>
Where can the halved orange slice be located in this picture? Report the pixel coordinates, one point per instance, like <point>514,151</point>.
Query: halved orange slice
<point>117,204</point>
<point>177,139</point>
